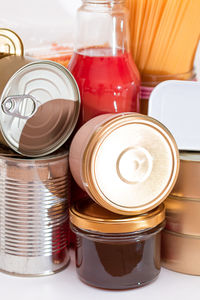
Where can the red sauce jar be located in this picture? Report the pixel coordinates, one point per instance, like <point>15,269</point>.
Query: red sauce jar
<point>106,74</point>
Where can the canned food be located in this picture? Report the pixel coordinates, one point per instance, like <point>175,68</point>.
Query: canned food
<point>188,182</point>
<point>183,215</point>
<point>10,43</point>
<point>127,162</point>
<point>113,251</point>
<point>40,104</point>
<point>34,202</point>
<point>180,252</point>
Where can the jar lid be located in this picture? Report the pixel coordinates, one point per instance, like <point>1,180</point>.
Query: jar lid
<point>164,104</point>
<point>10,43</point>
<point>87,215</point>
<point>188,182</point>
<point>131,164</point>
<point>39,107</point>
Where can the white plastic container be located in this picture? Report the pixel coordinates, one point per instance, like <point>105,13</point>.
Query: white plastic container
<point>176,104</point>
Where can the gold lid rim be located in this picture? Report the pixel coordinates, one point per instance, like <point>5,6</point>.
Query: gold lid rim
<point>16,41</point>
<point>91,150</point>
<point>123,224</point>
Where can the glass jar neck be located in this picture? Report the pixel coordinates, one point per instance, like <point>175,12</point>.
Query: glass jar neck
<point>102,24</point>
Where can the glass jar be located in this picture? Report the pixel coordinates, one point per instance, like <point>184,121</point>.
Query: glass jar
<point>102,65</point>
<point>55,52</point>
<point>116,159</point>
<point>113,251</point>
<point>150,81</point>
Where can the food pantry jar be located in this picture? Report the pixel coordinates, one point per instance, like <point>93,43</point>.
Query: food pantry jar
<point>113,251</point>
<point>127,163</point>
<point>102,65</point>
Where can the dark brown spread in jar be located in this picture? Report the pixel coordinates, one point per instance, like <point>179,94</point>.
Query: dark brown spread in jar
<point>113,251</point>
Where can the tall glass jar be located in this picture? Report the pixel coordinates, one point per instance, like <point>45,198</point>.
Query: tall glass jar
<point>102,65</point>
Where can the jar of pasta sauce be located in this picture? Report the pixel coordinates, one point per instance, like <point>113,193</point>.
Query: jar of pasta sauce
<point>113,251</point>
<point>108,79</point>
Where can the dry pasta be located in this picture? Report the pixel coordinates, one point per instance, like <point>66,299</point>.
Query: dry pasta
<point>164,34</point>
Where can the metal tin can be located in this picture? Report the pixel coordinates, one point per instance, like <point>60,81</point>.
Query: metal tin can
<point>10,43</point>
<point>181,238</point>
<point>115,251</point>
<point>188,182</point>
<point>34,197</point>
<point>180,252</point>
<point>183,215</point>
<point>40,104</point>
<point>127,162</point>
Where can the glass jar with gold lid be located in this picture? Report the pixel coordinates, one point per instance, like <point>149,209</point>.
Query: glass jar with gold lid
<point>128,163</point>
<point>113,251</point>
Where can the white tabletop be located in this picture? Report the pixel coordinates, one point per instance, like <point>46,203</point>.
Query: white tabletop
<point>64,285</point>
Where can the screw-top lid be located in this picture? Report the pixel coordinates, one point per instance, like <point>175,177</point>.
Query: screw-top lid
<point>176,104</point>
<point>10,43</point>
<point>131,164</point>
<point>87,215</point>
<point>39,108</point>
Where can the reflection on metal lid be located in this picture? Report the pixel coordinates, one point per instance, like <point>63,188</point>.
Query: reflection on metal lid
<point>10,43</point>
<point>130,164</point>
<point>87,215</point>
<point>39,108</point>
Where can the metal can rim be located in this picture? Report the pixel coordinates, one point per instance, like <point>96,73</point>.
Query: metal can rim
<point>76,115</point>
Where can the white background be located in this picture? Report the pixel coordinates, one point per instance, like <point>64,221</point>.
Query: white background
<point>65,285</point>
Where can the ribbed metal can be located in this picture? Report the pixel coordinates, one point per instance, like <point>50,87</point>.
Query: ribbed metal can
<point>34,197</point>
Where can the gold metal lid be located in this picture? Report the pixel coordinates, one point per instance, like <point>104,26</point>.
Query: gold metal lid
<point>10,43</point>
<point>87,215</point>
<point>188,182</point>
<point>131,164</point>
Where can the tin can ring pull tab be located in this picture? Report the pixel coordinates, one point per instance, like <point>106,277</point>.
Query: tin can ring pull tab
<point>20,106</point>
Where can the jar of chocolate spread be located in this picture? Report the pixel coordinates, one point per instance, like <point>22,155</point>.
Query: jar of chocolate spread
<point>113,251</point>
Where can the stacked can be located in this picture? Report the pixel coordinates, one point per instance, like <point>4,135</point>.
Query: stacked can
<point>128,164</point>
<point>181,238</point>
<point>38,112</point>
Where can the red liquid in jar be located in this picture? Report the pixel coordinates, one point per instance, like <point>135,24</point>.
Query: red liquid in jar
<point>107,83</point>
